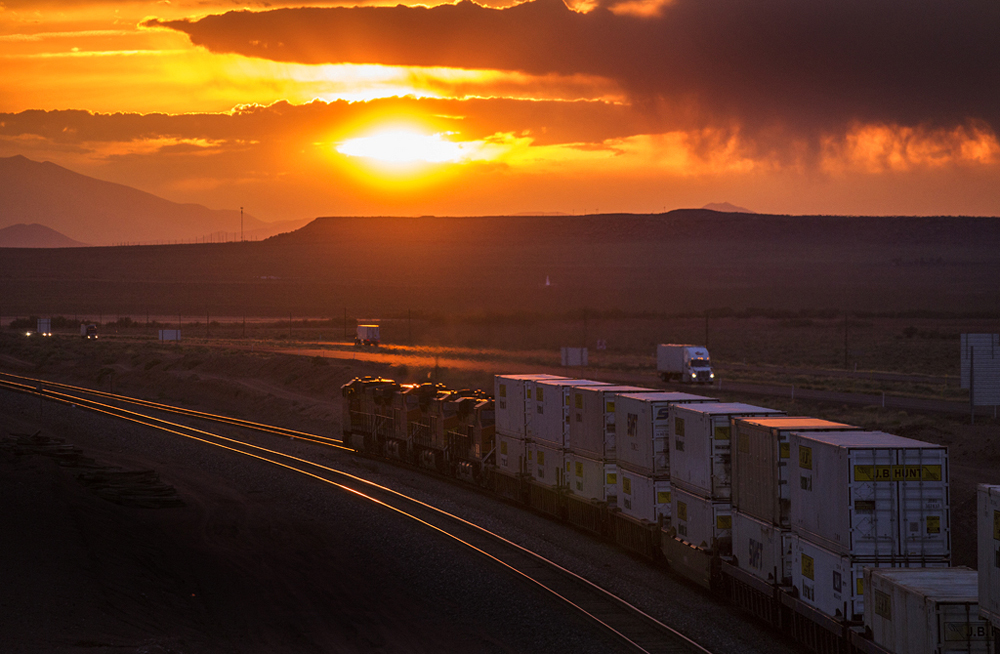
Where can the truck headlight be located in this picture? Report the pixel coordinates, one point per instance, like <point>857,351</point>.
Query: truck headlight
<point>711,375</point>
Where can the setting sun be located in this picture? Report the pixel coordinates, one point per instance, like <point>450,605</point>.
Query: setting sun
<point>403,146</point>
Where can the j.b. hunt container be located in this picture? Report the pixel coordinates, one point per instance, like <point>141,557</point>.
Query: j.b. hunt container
<point>988,509</point>
<point>592,427</point>
<point>925,610</point>
<point>643,497</point>
<point>700,445</point>
<point>871,494</point>
<point>511,393</point>
<point>760,464</point>
<point>701,522</point>
<point>833,582</point>
<point>641,427</point>
<point>762,549</point>
<point>549,402</point>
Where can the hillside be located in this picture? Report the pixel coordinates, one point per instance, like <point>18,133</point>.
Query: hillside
<point>680,261</point>
<point>103,213</point>
<point>35,236</point>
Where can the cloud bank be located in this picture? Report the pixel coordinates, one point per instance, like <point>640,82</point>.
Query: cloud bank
<point>765,64</point>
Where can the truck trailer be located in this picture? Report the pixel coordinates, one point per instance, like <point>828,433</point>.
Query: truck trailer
<point>684,363</point>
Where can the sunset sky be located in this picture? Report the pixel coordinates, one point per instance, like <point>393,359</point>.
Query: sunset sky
<point>782,106</point>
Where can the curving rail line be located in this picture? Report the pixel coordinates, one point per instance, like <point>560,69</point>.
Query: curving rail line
<point>637,630</point>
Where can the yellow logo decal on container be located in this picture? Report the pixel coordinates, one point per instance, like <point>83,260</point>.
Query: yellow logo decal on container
<point>627,485</point>
<point>540,394</point>
<point>579,469</point>
<point>784,450</point>
<point>883,604</point>
<point>933,524</point>
<point>503,447</point>
<point>723,522</point>
<point>529,393</point>
<point>503,390</point>
<point>722,433</point>
<point>897,473</point>
<point>609,407</point>
<point>611,479</point>
<point>679,426</point>
<point>663,497</point>
<point>861,587</point>
<point>579,401</point>
<point>530,454</point>
<point>808,570</point>
<point>682,511</point>
<point>806,459</point>
<point>541,458</point>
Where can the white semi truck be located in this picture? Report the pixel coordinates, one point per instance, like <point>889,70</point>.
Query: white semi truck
<point>684,363</point>
<point>367,336</point>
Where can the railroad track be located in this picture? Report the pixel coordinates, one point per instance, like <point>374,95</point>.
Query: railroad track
<point>637,631</point>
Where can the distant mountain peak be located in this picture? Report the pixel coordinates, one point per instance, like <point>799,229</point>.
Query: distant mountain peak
<point>35,236</point>
<point>725,207</point>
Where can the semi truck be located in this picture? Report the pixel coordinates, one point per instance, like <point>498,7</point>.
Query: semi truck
<point>684,363</point>
<point>88,331</point>
<point>367,336</point>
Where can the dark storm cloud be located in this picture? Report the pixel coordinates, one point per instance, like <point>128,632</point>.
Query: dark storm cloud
<point>805,63</point>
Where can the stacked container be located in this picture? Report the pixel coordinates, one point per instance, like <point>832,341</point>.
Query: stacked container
<point>549,402</point>
<point>514,397</point>
<point>762,536</point>
<point>699,442</point>
<point>643,451</point>
<point>925,611</point>
<point>864,499</point>
<point>592,471</point>
<point>989,554</point>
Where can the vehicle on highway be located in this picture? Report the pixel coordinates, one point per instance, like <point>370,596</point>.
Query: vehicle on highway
<point>688,364</point>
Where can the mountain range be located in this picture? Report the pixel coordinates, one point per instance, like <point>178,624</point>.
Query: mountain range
<point>89,210</point>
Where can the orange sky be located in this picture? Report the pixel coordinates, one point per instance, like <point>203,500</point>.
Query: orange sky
<point>782,106</point>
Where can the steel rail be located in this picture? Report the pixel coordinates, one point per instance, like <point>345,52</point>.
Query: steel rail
<point>168,408</point>
<point>631,625</point>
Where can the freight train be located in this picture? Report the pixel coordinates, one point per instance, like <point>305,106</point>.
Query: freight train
<point>504,443</point>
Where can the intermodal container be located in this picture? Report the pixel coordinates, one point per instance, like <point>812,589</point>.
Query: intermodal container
<point>760,464</point>
<point>546,464</point>
<point>586,477</point>
<point>871,494</point>
<point>762,549</point>
<point>592,427</point>
<point>834,583</point>
<point>700,445</point>
<point>642,497</point>
<point>702,522</point>
<point>549,402</point>
<point>511,455</point>
<point>511,393</point>
<point>989,552</point>
<point>925,610</point>
<point>641,425</point>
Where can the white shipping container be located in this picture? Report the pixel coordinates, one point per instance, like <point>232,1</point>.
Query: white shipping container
<point>989,552</point>
<point>574,356</point>
<point>760,464</point>
<point>834,583</point>
<point>586,477</point>
<point>44,326</point>
<point>643,497</point>
<point>549,401</point>
<point>762,549</point>
<point>546,464</point>
<point>925,610</point>
<point>512,454</point>
<point>872,494</point>
<point>170,334</point>
<point>702,522</point>
<point>592,424</point>
<point>700,455</point>
<point>511,393</point>
<point>641,424</point>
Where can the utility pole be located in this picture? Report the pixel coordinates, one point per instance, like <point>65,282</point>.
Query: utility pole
<point>409,326</point>
<point>345,323</point>
<point>241,224</point>
<point>706,329</point>
<point>845,340</point>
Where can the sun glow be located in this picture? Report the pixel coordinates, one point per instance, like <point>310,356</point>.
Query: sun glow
<point>405,146</point>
